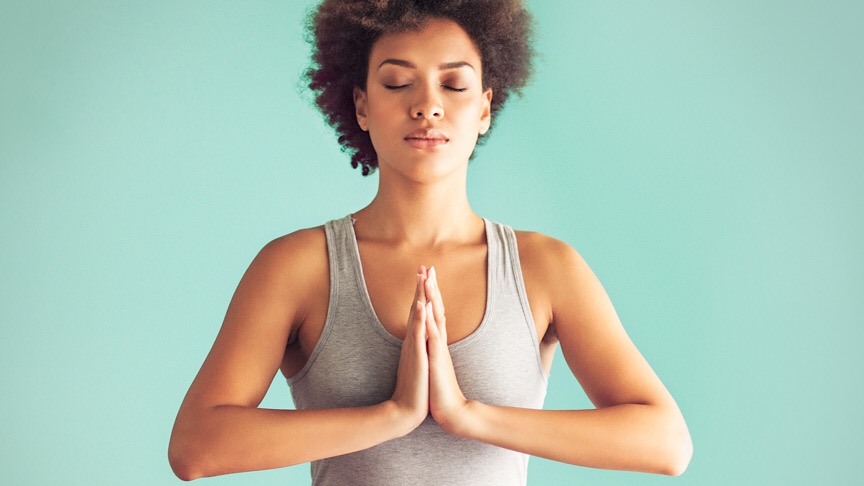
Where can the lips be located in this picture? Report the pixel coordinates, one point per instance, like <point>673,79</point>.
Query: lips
<point>426,138</point>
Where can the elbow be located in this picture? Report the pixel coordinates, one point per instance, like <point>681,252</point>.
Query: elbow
<point>185,462</point>
<point>679,451</point>
<point>678,464</point>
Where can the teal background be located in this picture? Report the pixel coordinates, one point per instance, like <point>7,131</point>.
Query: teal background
<point>704,157</point>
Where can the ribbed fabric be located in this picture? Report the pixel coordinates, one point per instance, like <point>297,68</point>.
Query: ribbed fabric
<point>355,361</point>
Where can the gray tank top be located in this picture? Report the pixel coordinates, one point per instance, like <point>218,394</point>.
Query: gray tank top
<point>355,360</point>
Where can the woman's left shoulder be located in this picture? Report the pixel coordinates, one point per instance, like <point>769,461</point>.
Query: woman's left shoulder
<point>545,254</point>
<point>553,271</point>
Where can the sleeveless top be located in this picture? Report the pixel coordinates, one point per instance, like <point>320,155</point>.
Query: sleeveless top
<point>355,361</point>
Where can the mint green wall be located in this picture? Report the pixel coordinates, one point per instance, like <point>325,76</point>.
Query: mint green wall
<point>705,158</point>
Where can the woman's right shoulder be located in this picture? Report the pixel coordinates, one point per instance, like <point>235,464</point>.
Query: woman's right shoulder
<point>293,262</point>
<point>299,243</point>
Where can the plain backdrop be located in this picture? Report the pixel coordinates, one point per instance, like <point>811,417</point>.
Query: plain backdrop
<point>704,157</point>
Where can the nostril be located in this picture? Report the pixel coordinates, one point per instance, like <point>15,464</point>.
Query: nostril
<point>434,113</point>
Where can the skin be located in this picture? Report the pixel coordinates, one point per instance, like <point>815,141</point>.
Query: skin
<point>426,79</point>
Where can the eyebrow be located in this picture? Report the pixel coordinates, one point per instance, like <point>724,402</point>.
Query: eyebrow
<point>443,67</point>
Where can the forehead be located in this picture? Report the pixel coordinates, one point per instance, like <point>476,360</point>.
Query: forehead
<point>436,41</point>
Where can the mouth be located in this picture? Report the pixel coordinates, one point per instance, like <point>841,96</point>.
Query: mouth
<point>426,139</point>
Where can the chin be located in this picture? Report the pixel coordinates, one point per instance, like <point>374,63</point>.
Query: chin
<point>424,170</point>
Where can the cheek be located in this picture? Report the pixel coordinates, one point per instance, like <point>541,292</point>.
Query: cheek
<point>469,114</point>
<point>383,114</point>
<point>373,111</point>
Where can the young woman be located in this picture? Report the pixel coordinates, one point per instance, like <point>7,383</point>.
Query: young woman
<point>416,336</point>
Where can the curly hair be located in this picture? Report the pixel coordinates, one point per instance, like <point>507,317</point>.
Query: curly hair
<point>342,33</point>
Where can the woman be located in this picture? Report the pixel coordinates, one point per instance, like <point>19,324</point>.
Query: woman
<point>404,373</point>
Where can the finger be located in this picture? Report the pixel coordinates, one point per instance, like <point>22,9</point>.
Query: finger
<point>419,296</point>
<point>416,334</point>
<point>431,327</point>
<point>422,337</point>
<point>437,339</point>
<point>430,315</point>
<point>422,277</point>
<point>434,293</point>
<point>419,312</point>
<point>420,324</point>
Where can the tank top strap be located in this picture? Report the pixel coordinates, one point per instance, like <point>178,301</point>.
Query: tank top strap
<point>344,261</point>
<point>495,257</point>
<point>344,305</point>
<point>498,256</point>
<point>509,285</point>
<point>339,246</point>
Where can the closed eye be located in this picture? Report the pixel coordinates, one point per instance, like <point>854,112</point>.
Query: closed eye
<point>451,88</point>
<point>395,87</point>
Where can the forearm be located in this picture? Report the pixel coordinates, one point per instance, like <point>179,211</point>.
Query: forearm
<point>628,437</point>
<point>228,438</point>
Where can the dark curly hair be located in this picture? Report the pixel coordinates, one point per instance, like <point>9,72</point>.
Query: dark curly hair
<point>342,33</point>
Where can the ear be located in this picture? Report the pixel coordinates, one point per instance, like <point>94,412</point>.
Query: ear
<point>360,108</point>
<point>486,113</point>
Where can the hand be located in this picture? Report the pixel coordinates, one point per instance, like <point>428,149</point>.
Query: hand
<point>411,395</point>
<point>446,401</point>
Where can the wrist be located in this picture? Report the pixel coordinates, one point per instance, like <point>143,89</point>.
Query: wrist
<point>403,419</point>
<point>462,422</point>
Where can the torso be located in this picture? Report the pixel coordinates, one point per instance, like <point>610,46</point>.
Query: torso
<point>390,277</point>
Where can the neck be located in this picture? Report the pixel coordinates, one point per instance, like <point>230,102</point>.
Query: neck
<point>417,214</point>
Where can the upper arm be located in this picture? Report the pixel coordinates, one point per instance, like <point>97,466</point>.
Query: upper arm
<point>597,349</point>
<point>266,308</point>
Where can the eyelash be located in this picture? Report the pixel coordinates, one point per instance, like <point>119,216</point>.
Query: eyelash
<point>396,88</point>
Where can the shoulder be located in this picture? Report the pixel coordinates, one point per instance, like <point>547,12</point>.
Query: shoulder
<point>292,265</point>
<point>296,247</point>
<point>549,269</point>
<point>555,270</point>
<point>545,254</point>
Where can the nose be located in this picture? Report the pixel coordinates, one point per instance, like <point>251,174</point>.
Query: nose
<point>427,105</point>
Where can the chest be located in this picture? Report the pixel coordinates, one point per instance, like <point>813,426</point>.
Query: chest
<point>390,278</point>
